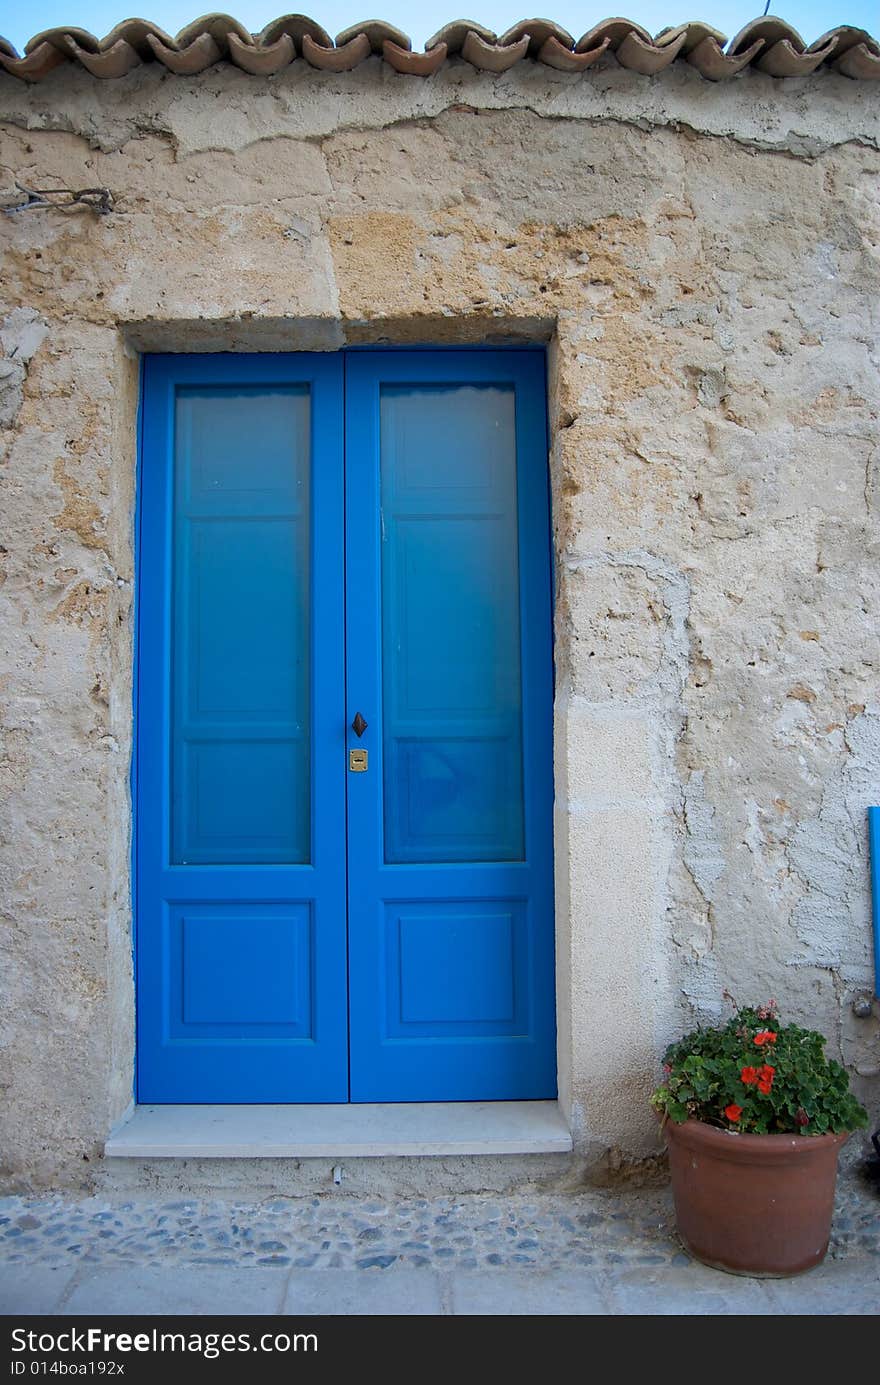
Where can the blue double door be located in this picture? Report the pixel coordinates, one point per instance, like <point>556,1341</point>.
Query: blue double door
<point>343,773</point>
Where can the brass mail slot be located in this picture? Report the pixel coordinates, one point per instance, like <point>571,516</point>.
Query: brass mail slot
<point>357,761</point>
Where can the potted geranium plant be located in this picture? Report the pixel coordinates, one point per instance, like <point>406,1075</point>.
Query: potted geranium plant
<point>754,1114</point>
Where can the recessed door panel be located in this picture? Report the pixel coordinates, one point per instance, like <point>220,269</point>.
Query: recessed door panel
<point>451,680</point>
<point>240,618</point>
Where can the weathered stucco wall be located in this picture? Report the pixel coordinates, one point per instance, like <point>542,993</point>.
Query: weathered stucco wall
<point>705,264</point>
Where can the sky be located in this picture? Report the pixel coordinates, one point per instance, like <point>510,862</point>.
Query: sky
<point>18,21</point>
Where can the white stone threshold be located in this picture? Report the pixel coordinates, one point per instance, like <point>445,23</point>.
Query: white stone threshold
<point>344,1131</point>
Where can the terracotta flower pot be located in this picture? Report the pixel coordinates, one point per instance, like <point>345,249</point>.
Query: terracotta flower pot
<point>753,1204</point>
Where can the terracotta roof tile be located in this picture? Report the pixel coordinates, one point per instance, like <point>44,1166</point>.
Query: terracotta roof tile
<point>768,44</point>
<point>493,57</point>
<point>555,54</point>
<point>262,59</point>
<point>538,31</point>
<point>378,32</point>
<point>645,56</point>
<point>340,58</point>
<point>711,61</point>
<point>414,64</point>
<point>198,55</point>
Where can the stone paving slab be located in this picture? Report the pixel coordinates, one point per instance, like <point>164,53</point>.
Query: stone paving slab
<point>834,1288</point>
<point>184,1289</point>
<point>524,1293</point>
<point>359,1293</point>
<point>34,1288</point>
<point>691,1290</point>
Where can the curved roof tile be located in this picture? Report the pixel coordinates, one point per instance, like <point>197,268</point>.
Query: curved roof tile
<point>768,44</point>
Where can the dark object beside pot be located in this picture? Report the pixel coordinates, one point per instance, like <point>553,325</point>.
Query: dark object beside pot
<point>753,1204</point>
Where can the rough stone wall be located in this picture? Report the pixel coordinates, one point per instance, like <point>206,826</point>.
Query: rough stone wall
<point>704,264</point>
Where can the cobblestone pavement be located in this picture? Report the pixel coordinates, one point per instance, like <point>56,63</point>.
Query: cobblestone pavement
<point>600,1238</point>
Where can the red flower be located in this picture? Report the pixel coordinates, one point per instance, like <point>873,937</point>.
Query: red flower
<point>802,1118</point>
<point>733,1112</point>
<point>765,1078</point>
<point>749,1076</point>
<point>766,1036</point>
